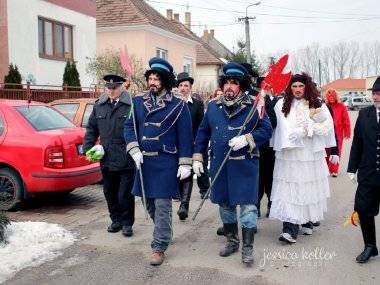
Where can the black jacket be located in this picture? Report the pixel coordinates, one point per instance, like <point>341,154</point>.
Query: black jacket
<point>269,109</point>
<point>365,148</point>
<point>107,123</point>
<point>197,112</point>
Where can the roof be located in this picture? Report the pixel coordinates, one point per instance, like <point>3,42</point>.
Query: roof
<point>206,55</point>
<point>111,13</point>
<point>346,84</point>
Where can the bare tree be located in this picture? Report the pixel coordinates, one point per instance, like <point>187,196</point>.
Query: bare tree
<point>109,62</point>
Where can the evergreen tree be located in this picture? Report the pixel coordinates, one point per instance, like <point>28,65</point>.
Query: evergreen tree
<point>14,77</point>
<point>71,77</point>
<point>240,56</point>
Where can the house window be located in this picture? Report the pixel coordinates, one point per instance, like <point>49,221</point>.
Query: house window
<point>188,65</point>
<point>162,53</point>
<point>55,39</point>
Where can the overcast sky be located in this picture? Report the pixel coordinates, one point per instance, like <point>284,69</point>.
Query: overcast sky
<point>282,24</point>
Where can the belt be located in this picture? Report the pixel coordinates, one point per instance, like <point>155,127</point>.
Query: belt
<point>150,153</point>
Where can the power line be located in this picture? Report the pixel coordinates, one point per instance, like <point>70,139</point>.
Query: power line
<point>256,13</point>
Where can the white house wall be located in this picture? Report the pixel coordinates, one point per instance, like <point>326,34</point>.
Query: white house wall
<point>23,40</point>
<point>206,78</point>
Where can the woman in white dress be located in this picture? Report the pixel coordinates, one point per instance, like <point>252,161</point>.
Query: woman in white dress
<point>300,179</point>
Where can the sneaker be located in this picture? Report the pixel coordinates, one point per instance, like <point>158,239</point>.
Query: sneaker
<point>114,227</point>
<point>157,258</point>
<point>287,238</point>
<point>306,231</point>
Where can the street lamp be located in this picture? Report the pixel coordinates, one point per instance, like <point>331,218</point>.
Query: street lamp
<point>250,5</point>
<point>247,36</point>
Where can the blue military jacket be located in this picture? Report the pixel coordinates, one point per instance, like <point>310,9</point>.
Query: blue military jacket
<point>238,181</point>
<point>164,136</point>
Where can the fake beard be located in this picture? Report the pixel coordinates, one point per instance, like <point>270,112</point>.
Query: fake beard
<point>231,94</point>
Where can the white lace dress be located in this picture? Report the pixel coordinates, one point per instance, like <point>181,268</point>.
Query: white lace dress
<point>300,178</point>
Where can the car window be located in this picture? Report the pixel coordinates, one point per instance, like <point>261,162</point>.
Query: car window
<point>358,100</point>
<point>68,109</point>
<point>86,115</point>
<point>44,118</point>
<point>1,125</point>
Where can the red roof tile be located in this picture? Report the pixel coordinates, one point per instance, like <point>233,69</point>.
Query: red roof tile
<point>346,84</point>
<point>111,13</point>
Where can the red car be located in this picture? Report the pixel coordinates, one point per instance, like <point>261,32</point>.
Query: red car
<point>40,151</point>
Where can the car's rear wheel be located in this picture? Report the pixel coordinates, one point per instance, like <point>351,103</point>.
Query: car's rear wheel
<point>11,189</point>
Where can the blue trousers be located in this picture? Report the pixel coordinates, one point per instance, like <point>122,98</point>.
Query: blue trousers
<point>160,210</point>
<point>248,215</point>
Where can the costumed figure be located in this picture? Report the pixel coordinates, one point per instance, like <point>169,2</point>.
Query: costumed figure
<point>342,127</point>
<point>159,139</point>
<point>237,182</point>
<point>365,160</point>
<point>300,178</point>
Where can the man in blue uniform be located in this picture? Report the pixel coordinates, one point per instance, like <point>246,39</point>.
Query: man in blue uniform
<point>238,181</point>
<point>159,139</point>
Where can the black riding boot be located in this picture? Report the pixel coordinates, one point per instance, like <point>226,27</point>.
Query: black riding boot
<point>185,188</point>
<point>248,235</point>
<point>232,245</point>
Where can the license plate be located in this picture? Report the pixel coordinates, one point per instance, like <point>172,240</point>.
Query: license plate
<point>80,149</point>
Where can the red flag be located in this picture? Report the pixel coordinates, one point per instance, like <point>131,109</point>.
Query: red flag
<point>276,80</point>
<point>125,62</point>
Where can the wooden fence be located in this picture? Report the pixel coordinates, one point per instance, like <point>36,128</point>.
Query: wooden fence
<point>44,93</point>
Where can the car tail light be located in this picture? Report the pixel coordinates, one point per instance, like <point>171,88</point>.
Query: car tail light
<point>54,157</point>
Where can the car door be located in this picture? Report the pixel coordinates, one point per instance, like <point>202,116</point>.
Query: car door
<point>86,114</point>
<point>2,127</point>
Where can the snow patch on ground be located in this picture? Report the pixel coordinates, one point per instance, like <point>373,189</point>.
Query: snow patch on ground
<point>31,244</point>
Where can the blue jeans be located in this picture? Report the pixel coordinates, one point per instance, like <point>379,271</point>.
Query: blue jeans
<point>248,215</point>
<point>160,210</point>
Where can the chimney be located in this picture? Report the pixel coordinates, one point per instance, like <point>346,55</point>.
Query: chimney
<point>176,17</point>
<point>205,36</point>
<point>188,20</point>
<point>211,33</point>
<point>169,14</point>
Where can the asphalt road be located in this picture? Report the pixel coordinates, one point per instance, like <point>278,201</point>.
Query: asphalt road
<point>326,257</point>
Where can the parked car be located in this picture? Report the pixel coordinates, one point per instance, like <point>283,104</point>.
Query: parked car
<point>77,110</point>
<point>40,151</point>
<point>358,102</point>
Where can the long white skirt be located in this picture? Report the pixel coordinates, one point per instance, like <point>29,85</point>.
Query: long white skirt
<point>300,185</point>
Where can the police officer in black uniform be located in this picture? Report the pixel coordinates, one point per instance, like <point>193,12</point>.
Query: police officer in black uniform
<point>107,123</point>
<point>365,160</point>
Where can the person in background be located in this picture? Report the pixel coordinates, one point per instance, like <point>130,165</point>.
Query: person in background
<point>342,128</point>
<point>184,84</point>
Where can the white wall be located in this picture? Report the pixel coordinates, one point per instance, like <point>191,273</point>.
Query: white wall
<point>206,78</point>
<point>23,40</point>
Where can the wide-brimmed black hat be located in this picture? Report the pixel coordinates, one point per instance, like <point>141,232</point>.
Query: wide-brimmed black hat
<point>113,80</point>
<point>184,76</point>
<point>376,85</point>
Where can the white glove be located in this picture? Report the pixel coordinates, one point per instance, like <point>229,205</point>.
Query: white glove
<point>334,159</point>
<point>297,134</point>
<point>138,158</point>
<point>318,116</point>
<point>352,177</point>
<point>238,142</point>
<point>184,171</point>
<point>198,167</point>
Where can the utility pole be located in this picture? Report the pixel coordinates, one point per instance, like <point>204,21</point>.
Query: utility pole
<point>247,34</point>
